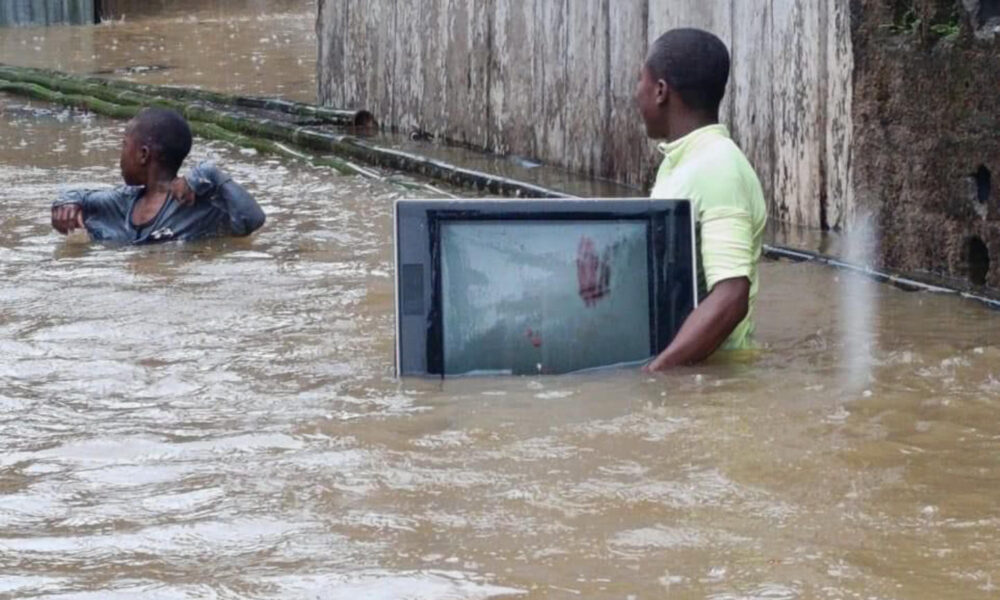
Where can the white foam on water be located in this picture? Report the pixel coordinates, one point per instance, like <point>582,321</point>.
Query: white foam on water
<point>767,591</point>
<point>23,584</point>
<point>206,538</point>
<point>377,585</point>
<point>655,538</point>
<point>144,591</point>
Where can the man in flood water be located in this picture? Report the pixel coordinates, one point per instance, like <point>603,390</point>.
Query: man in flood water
<point>155,205</point>
<point>680,90</point>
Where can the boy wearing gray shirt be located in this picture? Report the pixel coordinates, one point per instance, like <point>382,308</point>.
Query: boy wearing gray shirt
<point>155,205</point>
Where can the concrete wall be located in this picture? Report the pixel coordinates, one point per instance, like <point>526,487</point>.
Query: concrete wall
<point>554,79</point>
<point>46,12</point>
<point>927,142</point>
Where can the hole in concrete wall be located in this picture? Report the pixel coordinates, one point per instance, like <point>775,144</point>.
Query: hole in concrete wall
<point>984,184</point>
<point>979,260</point>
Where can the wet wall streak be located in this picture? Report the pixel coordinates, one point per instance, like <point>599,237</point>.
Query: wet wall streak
<point>554,80</point>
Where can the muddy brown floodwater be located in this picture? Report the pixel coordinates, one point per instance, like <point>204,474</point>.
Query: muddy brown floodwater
<point>220,420</point>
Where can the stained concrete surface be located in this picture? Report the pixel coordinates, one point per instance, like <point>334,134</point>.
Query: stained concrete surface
<point>927,149</point>
<point>554,80</point>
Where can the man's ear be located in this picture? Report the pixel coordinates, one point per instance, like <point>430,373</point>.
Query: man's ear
<point>145,154</point>
<point>662,92</point>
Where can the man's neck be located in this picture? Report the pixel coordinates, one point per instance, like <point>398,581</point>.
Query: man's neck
<point>157,184</point>
<point>683,125</point>
<point>155,194</point>
<point>152,200</point>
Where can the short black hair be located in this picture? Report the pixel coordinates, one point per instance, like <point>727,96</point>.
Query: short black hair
<point>166,132</point>
<point>695,63</point>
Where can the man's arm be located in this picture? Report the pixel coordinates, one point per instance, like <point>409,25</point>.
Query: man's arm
<point>708,326</point>
<point>74,207</point>
<point>207,182</point>
<point>67,218</point>
<point>727,257</point>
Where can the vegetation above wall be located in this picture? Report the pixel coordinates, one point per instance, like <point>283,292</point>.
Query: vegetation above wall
<point>932,21</point>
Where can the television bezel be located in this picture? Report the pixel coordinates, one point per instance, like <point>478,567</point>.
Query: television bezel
<point>479,209</point>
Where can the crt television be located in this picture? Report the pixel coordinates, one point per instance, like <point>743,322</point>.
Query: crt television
<point>528,287</point>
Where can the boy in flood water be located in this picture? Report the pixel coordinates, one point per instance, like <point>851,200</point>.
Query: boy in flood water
<point>155,205</point>
<point>680,90</point>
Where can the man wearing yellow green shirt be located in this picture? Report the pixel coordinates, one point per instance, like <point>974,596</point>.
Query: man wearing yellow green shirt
<point>680,89</point>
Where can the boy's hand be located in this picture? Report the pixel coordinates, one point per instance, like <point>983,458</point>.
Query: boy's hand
<point>182,192</point>
<point>67,218</point>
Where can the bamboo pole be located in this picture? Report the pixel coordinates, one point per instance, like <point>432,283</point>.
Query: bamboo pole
<point>205,130</point>
<point>345,146</point>
<point>95,105</point>
<point>211,131</point>
<point>332,116</point>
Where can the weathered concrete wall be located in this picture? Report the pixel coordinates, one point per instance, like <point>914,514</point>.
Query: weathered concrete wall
<point>554,80</point>
<point>927,141</point>
<point>46,12</point>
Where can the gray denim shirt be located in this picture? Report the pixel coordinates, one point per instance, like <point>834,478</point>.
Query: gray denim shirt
<point>223,208</point>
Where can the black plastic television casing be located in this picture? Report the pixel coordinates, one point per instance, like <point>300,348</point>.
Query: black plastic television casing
<point>419,330</point>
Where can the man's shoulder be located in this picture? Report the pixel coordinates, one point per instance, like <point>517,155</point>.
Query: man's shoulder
<point>721,173</point>
<point>721,156</point>
<point>120,195</point>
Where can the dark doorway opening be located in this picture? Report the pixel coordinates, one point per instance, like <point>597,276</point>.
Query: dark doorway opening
<point>979,260</point>
<point>984,183</point>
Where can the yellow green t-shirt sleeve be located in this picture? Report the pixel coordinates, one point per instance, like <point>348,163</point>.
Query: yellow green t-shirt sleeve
<point>727,248</point>
<point>726,244</point>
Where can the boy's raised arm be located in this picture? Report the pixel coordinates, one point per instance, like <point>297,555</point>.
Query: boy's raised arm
<point>73,207</point>
<point>211,184</point>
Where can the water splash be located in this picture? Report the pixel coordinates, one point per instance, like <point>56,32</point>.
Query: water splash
<point>858,305</point>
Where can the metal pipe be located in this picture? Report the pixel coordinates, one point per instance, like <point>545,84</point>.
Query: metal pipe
<point>900,281</point>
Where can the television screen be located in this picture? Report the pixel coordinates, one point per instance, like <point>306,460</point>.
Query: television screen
<point>546,296</point>
<point>539,287</point>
